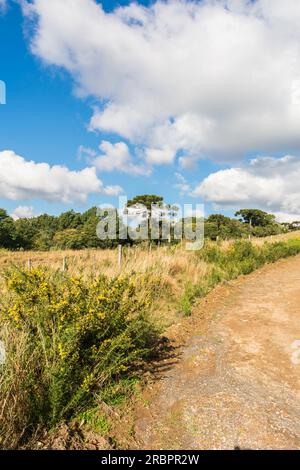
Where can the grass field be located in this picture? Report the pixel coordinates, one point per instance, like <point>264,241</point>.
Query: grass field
<point>171,268</point>
<point>138,258</point>
<point>78,339</point>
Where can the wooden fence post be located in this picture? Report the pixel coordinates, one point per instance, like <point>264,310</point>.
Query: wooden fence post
<point>120,256</point>
<point>64,264</point>
<point>29,264</point>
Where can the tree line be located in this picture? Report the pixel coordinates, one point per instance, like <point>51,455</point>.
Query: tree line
<point>75,230</point>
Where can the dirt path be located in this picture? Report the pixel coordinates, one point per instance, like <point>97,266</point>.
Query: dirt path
<point>235,383</point>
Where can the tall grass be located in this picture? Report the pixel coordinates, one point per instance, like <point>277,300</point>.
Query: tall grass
<point>71,338</point>
<point>66,340</point>
<point>232,260</point>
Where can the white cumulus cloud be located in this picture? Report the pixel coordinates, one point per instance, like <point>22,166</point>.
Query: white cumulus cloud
<point>214,78</point>
<point>266,182</point>
<point>116,157</point>
<point>23,212</point>
<point>24,179</point>
<point>159,156</point>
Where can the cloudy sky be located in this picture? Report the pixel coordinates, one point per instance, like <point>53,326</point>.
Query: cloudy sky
<point>196,101</point>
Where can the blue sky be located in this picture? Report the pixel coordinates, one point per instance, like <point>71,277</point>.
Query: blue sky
<point>45,122</point>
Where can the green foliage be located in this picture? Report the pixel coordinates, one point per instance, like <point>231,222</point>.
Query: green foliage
<point>252,222</point>
<point>187,299</point>
<point>218,220</point>
<point>278,250</point>
<point>95,421</point>
<point>118,392</point>
<point>219,226</point>
<point>8,235</point>
<point>73,343</point>
<point>72,238</point>
<point>242,257</point>
<point>79,338</point>
<point>73,230</point>
<point>255,217</point>
<point>267,230</point>
<point>194,291</point>
<point>69,220</point>
<point>147,200</point>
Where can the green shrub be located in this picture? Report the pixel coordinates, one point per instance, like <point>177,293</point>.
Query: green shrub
<point>211,253</point>
<point>78,337</point>
<point>275,251</point>
<point>72,342</point>
<point>94,420</point>
<point>194,291</point>
<point>242,257</point>
<point>240,250</point>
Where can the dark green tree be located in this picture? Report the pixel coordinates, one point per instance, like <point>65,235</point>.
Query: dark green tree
<point>255,217</point>
<point>218,225</point>
<point>146,200</point>
<point>8,234</point>
<point>69,219</point>
<point>70,239</point>
<point>218,220</point>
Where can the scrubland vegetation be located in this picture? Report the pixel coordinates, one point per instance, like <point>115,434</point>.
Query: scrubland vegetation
<point>77,339</point>
<point>74,230</point>
<point>66,338</point>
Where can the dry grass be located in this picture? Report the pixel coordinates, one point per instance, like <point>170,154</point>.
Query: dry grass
<point>138,258</point>
<point>271,239</point>
<point>274,238</point>
<point>169,278</point>
<point>170,268</point>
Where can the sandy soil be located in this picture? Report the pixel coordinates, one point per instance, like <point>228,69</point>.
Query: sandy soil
<point>234,383</point>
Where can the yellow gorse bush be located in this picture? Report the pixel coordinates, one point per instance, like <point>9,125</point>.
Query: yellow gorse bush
<point>83,333</point>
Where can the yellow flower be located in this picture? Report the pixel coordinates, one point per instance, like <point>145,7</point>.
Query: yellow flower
<point>61,352</point>
<point>87,382</point>
<point>101,297</point>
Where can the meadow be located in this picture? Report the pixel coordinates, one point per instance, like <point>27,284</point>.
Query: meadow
<point>78,328</point>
